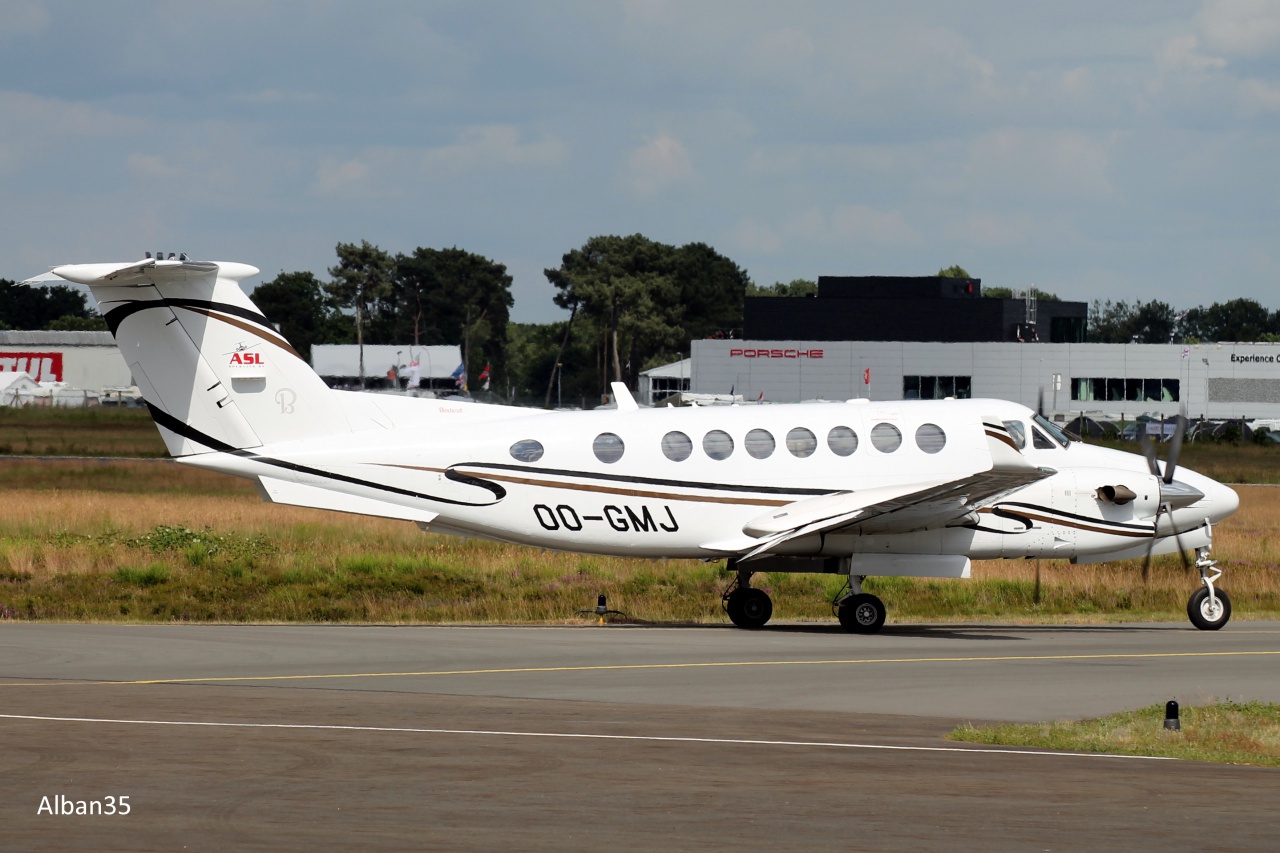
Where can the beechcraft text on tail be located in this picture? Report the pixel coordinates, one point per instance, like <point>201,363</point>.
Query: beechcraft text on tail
<point>912,488</point>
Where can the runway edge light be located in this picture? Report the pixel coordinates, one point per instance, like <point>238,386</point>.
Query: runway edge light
<point>1171,720</point>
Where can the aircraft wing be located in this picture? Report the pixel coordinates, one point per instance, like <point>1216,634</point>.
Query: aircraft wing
<point>889,509</point>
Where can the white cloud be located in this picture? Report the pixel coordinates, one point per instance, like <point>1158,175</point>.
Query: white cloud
<point>489,146</point>
<point>342,177</point>
<point>1029,163</point>
<point>151,166</point>
<point>23,17</point>
<point>1247,28</point>
<point>1183,52</point>
<point>658,164</point>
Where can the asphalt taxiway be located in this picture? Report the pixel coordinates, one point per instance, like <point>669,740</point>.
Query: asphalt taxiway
<point>795,737</point>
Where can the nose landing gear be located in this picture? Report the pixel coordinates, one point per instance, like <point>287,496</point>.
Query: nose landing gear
<point>1209,608</point>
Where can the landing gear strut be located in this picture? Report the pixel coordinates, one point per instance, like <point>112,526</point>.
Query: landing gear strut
<point>747,607</point>
<point>860,612</point>
<point>1209,607</point>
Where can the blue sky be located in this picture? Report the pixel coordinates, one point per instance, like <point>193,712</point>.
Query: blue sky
<point>1094,149</point>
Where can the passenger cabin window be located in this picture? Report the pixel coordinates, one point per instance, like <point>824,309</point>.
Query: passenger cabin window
<point>886,438</point>
<point>717,444</point>
<point>930,438</point>
<point>608,447</point>
<point>760,443</point>
<point>527,450</point>
<point>801,442</point>
<point>677,446</point>
<point>842,440</point>
<point>1018,431</point>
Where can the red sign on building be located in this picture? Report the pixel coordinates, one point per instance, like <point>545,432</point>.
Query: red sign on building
<point>43,366</point>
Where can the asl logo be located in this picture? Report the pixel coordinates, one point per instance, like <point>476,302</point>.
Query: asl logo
<point>243,358</point>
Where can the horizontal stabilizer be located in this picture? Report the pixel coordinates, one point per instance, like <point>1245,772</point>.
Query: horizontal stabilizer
<point>297,494</point>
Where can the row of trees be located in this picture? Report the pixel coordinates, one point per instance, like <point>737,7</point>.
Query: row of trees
<point>1156,322</point>
<point>56,308</point>
<point>633,303</point>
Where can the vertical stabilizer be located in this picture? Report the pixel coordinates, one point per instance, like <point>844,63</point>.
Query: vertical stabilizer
<point>215,372</point>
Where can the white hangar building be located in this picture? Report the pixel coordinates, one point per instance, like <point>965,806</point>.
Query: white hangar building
<point>87,360</point>
<point>1216,380</point>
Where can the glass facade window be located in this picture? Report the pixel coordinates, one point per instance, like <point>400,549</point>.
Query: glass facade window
<point>937,387</point>
<point>1112,390</point>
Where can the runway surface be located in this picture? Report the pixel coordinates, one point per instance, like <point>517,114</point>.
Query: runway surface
<point>796,737</point>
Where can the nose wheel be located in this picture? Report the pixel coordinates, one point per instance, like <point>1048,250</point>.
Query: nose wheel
<point>1209,607</point>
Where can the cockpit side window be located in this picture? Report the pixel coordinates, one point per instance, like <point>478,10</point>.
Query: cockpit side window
<point>1041,443</point>
<point>1048,426</point>
<point>1018,430</point>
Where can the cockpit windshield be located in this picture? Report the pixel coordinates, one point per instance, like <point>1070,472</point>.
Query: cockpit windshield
<point>1046,425</point>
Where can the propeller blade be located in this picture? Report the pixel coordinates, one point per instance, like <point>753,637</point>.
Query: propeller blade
<point>1150,452</point>
<point>1172,463</point>
<point>1040,402</point>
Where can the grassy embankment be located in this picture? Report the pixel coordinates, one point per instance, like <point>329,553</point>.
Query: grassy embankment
<point>143,540</point>
<point>152,540</point>
<point>79,432</point>
<point>1224,732</point>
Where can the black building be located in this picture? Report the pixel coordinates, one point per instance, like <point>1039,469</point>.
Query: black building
<point>903,308</point>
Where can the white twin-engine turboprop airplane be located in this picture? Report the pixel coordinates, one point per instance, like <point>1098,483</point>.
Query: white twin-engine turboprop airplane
<point>859,488</point>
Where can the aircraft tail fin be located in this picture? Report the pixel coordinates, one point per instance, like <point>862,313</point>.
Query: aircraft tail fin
<point>215,373</point>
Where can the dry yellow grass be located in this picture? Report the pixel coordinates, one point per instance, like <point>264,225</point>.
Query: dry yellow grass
<point>70,553</point>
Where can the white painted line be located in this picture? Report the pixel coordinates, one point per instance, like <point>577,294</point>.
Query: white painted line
<point>581,736</point>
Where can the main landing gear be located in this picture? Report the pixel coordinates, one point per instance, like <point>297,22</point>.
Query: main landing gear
<point>1209,607</point>
<point>859,612</point>
<point>747,607</point>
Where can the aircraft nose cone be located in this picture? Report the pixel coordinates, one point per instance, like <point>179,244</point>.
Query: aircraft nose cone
<point>1225,501</point>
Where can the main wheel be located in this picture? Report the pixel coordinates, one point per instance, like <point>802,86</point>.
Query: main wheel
<point>862,614</point>
<point>1204,615</point>
<point>749,608</point>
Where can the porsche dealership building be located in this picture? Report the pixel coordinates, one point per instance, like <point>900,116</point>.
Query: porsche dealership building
<point>931,338</point>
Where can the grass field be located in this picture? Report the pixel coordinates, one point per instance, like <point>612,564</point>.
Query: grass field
<point>1224,732</point>
<point>154,540</point>
<point>79,432</point>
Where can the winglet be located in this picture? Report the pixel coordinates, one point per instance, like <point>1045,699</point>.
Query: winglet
<point>622,396</point>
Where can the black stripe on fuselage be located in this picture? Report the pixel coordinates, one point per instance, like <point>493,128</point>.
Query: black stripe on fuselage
<point>646,481</point>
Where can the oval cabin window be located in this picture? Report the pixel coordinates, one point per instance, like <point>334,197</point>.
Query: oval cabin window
<point>842,440</point>
<point>676,446</point>
<point>886,437</point>
<point>801,442</point>
<point>760,443</point>
<point>717,444</point>
<point>608,447</point>
<point>527,450</point>
<point>930,438</point>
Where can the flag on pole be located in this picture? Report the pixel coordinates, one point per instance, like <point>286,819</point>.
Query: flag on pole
<point>866,376</point>
<point>484,376</point>
<point>460,376</point>
<point>414,373</point>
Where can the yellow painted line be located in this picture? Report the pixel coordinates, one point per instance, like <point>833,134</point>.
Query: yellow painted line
<point>642,666</point>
